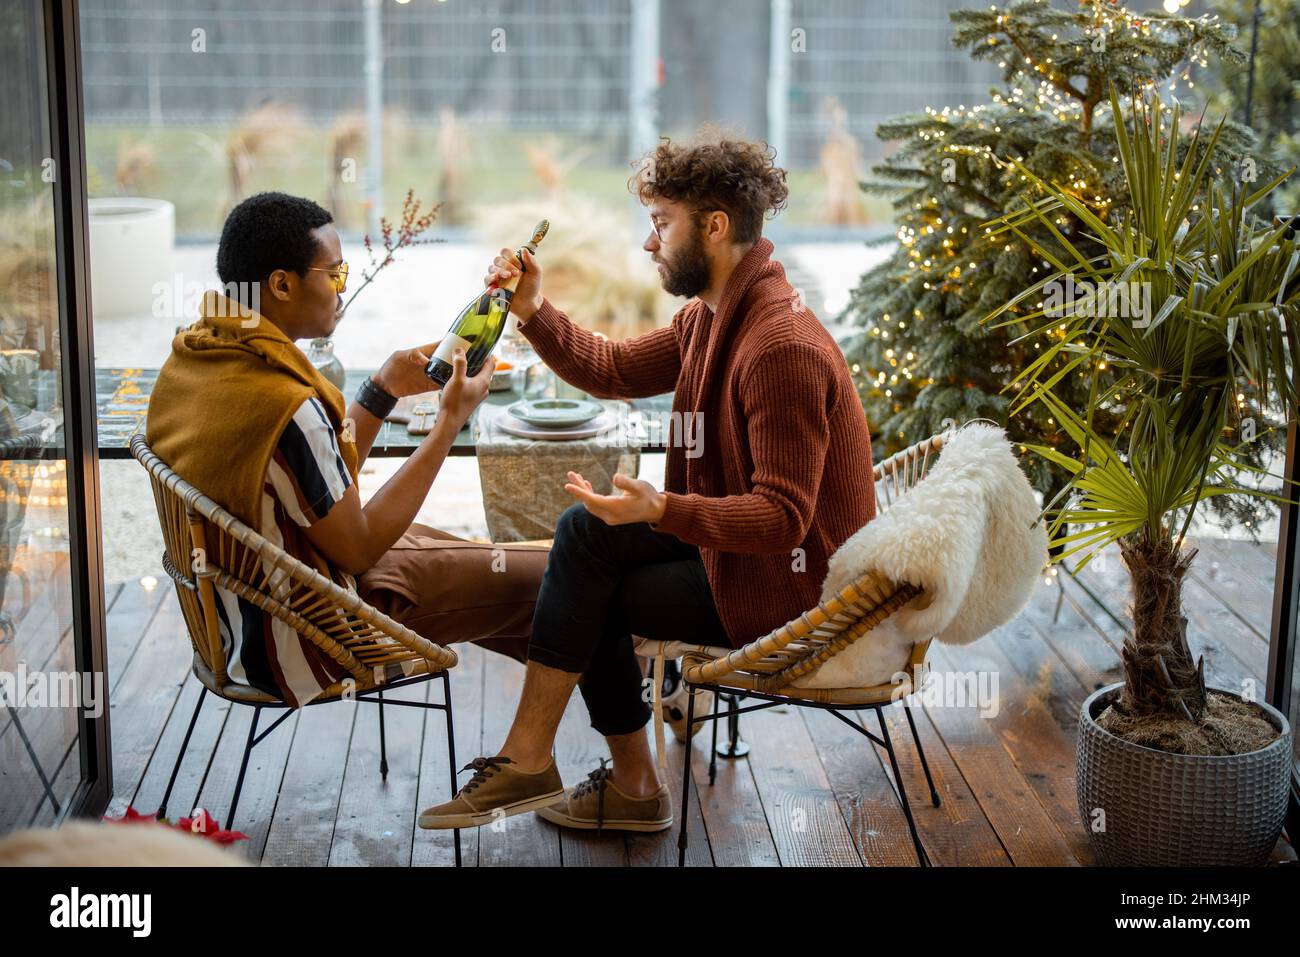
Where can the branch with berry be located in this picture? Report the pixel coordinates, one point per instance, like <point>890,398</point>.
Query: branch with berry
<point>407,232</point>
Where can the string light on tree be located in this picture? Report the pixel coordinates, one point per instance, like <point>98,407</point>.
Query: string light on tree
<point>1051,112</point>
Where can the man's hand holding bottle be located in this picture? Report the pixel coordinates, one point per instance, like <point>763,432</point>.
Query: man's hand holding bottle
<point>403,374</point>
<point>464,393</point>
<point>528,294</point>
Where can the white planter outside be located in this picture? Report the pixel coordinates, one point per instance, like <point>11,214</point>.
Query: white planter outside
<point>131,242</point>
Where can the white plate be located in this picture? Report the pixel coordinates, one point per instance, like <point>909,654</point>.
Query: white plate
<point>556,413</point>
<point>601,423</point>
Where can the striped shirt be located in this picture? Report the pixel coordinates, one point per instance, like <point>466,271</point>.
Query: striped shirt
<point>305,478</point>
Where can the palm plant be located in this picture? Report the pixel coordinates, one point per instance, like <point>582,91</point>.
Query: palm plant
<point>1217,338</point>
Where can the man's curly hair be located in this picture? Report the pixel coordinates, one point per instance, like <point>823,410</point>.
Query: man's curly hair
<point>715,172</point>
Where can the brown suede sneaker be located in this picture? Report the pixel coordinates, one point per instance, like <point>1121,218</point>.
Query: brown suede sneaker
<point>497,790</point>
<point>597,804</point>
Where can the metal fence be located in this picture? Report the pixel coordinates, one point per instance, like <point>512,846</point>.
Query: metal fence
<point>565,65</point>
<point>875,59</point>
<point>560,65</point>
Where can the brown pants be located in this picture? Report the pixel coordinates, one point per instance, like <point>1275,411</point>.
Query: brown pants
<point>447,589</point>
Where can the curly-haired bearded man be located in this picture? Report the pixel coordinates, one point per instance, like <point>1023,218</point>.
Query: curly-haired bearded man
<point>770,475</point>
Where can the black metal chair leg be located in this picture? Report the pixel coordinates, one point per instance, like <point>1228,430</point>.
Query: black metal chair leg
<point>171,782</point>
<point>713,752</point>
<point>383,744</point>
<point>451,753</point>
<point>734,748</point>
<point>934,795</point>
<point>686,780</point>
<point>921,857</point>
<point>243,766</point>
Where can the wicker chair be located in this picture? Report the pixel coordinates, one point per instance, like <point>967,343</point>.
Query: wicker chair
<point>765,668</point>
<point>206,547</point>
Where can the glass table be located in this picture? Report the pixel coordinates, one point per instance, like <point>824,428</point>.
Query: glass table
<point>123,400</point>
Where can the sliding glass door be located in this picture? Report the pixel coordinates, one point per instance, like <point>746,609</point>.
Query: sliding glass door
<point>53,718</point>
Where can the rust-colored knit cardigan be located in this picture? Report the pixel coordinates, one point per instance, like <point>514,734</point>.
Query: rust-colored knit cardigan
<point>781,474</point>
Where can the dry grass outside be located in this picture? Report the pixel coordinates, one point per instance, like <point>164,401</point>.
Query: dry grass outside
<point>842,169</point>
<point>593,263</point>
<point>28,297</point>
<point>452,161</point>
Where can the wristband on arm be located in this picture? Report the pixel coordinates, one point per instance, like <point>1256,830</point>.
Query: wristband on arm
<point>375,400</point>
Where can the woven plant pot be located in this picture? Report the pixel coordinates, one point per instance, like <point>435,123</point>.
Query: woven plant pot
<point>1179,810</point>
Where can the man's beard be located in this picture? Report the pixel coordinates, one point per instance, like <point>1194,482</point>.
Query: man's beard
<point>687,273</point>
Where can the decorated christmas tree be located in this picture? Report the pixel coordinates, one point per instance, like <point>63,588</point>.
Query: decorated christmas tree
<point>925,357</point>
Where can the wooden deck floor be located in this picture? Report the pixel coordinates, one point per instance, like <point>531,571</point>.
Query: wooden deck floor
<point>812,791</point>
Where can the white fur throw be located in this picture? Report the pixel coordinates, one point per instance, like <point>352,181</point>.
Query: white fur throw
<point>968,533</point>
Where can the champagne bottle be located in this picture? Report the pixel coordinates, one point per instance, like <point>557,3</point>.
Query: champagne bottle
<point>481,322</point>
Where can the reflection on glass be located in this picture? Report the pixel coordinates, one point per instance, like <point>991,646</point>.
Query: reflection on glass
<point>39,758</point>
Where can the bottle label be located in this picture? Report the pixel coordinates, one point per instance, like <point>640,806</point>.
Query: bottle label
<point>449,343</point>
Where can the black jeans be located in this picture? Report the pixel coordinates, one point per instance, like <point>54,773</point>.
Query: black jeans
<point>602,585</point>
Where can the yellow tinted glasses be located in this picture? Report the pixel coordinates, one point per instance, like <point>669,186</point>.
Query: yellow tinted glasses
<point>339,274</point>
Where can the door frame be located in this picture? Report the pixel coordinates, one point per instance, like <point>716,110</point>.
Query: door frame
<point>1286,609</point>
<point>80,438</point>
